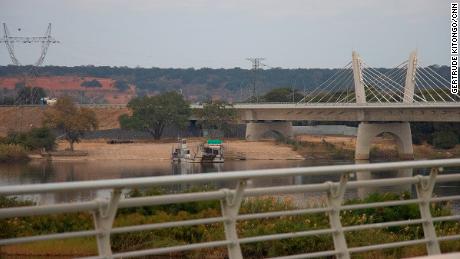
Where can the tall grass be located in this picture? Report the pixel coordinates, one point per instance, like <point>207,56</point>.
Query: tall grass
<point>10,153</point>
<point>17,227</point>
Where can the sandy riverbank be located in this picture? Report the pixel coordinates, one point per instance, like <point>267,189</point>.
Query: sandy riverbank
<point>382,147</point>
<point>312,147</point>
<point>100,150</point>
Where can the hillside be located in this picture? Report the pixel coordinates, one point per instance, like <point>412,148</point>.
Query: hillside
<point>55,86</point>
<point>196,84</point>
<point>25,118</point>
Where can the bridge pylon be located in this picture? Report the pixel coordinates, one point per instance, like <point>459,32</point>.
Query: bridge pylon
<point>358,78</point>
<point>409,86</point>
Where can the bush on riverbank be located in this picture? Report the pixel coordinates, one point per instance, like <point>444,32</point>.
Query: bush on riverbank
<point>443,135</point>
<point>36,138</point>
<point>445,139</point>
<point>11,153</point>
<point>192,234</point>
<point>324,148</point>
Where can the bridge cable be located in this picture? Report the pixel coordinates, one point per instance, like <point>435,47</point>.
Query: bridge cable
<point>347,77</point>
<point>386,89</point>
<point>422,74</point>
<point>374,95</point>
<point>396,69</point>
<point>350,76</point>
<point>327,87</point>
<point>422,77</point>
<point>437,77</point>
<point>319,87</point>
<point>398,86</point>
<point>376,84</point>
<point>423,89</point>
<point>446,83</point>
<point>337,83</point>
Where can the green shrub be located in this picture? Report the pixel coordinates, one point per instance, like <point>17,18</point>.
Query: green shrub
<point>26,226</point>
<point>41,138</point>
<point>10,153</point>
<point>36,138</point>
<point>189,207</point>
<point>445,139</point>
<point>7,202</point>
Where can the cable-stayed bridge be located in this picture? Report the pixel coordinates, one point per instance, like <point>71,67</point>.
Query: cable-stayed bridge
<point>359,92</point>
<point>381,102</point>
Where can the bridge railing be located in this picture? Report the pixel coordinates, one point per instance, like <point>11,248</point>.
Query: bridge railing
<point>104,210</point>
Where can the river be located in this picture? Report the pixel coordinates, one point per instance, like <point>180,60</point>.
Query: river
<point>41,171</point>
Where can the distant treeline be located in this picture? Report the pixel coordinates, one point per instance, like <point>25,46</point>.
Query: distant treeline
<point>234,80</point>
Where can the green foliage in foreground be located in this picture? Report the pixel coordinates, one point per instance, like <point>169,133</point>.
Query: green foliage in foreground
<point>192,234</point>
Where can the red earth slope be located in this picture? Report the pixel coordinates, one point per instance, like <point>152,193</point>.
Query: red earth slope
<point>71,85</point>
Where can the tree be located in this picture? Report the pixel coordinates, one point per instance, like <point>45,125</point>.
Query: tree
<point>29,95</point>
<point>70,119</point>
<point>154,113</point>
<point>121,85</point>
<point>92,83</point>
<point>36,138</point>
<point>216,115</point>
<point>282,95</point>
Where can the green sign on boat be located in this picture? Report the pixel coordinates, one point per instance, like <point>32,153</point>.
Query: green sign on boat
<point>214,141</point>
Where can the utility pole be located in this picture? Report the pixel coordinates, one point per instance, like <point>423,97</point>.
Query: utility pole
<point>255,67</point>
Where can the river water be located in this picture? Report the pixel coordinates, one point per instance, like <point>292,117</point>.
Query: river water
<point>41,171</point>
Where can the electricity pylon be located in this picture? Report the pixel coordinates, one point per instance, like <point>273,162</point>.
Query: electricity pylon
<point>44,40</point>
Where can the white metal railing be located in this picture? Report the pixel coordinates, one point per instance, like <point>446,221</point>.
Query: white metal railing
<point>104,210</point>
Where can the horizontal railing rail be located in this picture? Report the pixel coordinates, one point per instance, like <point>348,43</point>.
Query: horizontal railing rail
<point>104,210</point>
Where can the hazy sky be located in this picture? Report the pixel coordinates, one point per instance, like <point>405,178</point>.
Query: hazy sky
<point>217,33</point>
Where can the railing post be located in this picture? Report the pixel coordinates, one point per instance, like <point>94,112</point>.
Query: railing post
<point>334,202</point>
<point>103,221</point>
<point>230,209</point>
<point>424,191</point>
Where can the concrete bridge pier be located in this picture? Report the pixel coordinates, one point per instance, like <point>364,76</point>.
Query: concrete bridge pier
<point>400,131</point>
<point>402,134</point>
<point>268,129</point>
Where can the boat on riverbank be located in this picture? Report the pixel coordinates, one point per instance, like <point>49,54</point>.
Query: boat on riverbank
<point>212,151</point>
<point>181,152</point>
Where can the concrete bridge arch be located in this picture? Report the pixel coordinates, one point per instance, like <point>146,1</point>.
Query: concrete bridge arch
<point>260,130</point>
<point>368,131</point>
